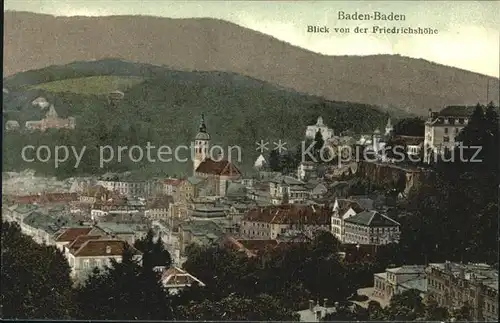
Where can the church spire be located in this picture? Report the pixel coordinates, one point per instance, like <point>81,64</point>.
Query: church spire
<point>203,127</point>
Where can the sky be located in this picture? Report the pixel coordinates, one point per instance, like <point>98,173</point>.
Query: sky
<point>468,32</point>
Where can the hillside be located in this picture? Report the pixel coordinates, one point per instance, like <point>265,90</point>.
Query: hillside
<point>163,107</point>
<point>393,82</point>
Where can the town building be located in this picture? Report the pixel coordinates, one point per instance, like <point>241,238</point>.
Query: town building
<point>371,227</point>
<point>286,189</point>
<point>395,281</point>
<point>442,128</point>
<point>217,172</point>
<point>51,121</point>
<point>124,184</point>
<point>342,210</point>
<point>274,221</point>
<point>157,208</point>
<point>454,285</point>
<point>326,132</point>
<point>85,254</point>
<point>305,170</point>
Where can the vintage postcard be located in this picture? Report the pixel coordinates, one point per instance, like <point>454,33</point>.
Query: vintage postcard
<point>250,160</point>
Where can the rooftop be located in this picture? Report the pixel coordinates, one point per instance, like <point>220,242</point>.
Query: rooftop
<point>102,247</point>
<point>290,214</point>
<point>372,219</point>
<point>70,234</point>
<point>221,168</point>
<point>176,277</point>
<point>117,228</point>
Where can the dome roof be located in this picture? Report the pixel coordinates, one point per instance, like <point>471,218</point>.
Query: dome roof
<point>202,136</point>
<point>377,131</point>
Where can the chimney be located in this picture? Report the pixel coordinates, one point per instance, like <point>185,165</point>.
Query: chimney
<point>108,249</point>
<point>311,305</point>
<point>447,266</point>
<point>325,302</point>
<point>430,113</point>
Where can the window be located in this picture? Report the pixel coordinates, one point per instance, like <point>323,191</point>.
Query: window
<point>86,263</point>
<point>446,139</point>
<point>446,130</point>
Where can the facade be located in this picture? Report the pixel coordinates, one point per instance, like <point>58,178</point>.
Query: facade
<point>274,221</point>
<point>441,129</point>
<point>85,254</point>
<point>397,280</point>
<point>342,210</point>
<point>454,285</point>
<point>218,175</point>
<point>157,208</point>
<point>128,187</point>
<point>305,170</point>
<point>326,132</point>
<point>286,187</point>
<point>171,185</point>
<point>51,121</point>
<point>371,227</point>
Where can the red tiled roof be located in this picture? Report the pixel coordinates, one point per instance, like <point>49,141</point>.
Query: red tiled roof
<point>79,241</point>
<point>222,168</point>
<point>70,234</point>
<point>173,181</point>
<point>250,247</point>
<point>99,247</point>
<point>290,214</point>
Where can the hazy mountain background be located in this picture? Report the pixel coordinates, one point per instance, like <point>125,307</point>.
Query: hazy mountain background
<point>395,83</point>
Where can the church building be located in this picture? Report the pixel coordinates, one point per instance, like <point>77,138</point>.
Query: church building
<point>218,173</point>
<point>326,132</point>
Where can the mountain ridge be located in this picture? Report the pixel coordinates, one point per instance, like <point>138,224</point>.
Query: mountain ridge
<point>206,44</point>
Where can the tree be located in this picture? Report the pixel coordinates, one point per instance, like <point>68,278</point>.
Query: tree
<point>319,142</point>
<point>433,312</point>
<point>274,161</point>
<point>36,280</point>
<point>124,291</point>
<point>237,308</point>
<point>410,127</point>
<point>154,253</point>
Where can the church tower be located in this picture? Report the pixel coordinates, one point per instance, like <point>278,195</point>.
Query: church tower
<point>201,142</point>
<point>388,128</point>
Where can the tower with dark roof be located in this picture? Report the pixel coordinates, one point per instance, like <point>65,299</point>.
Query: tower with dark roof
<point>201,144</point>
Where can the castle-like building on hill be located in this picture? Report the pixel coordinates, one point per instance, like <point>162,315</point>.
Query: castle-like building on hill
<point>51,121</point>
<point>217,173</point>
<point>326,132</point>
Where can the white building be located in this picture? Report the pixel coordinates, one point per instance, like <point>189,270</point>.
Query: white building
<point>326,132</point>
<point>371,227</point>
<point>342,210</point>
<point>442,128</point>
<point>305,169</point>
<point>395,281</point>
<point>260,162</point>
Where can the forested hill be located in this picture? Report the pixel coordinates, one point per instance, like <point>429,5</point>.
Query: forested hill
<point>164,106</point>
